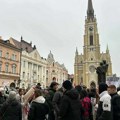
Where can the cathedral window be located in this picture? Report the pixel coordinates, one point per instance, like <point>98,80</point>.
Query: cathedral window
<point>91,39</point>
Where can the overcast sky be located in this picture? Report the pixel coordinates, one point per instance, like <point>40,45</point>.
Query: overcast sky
<point>58,25</point>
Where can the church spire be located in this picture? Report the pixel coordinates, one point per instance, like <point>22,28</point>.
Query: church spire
<point>107,49</point>
<point>90,10</point>
<point>76,53</point>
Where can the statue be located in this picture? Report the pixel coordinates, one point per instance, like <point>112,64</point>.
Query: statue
<point>101,71</point>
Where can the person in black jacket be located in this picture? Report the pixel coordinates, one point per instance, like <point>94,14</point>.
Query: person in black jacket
<point>39,109</point>
<point>2,98</point>
<point>104,111</point>
<point>71,108</point>
<point>49,98</point>
<point>11,109</point>
<point>56,102</point>
<point>112,90</point>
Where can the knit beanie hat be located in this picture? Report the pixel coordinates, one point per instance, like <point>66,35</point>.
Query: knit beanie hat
<point>67,85</point>
<point>102,87</point>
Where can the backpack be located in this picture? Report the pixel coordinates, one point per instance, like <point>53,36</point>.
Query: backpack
<point>86,104</point>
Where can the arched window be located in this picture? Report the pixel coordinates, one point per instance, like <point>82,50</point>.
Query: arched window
<point>13,68</point>
<point>7,55</point>
<point>0,53</point>
<point>0,66</point>
<point>53,64</point>
<point>91,39</point>
<point>93,85</point>
<point>6,67</point>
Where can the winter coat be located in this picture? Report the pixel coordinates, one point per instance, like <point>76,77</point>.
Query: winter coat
<point>86,104</point>
<point>49,98</point>
<point>38,109</point>
<point>11,110</point>
<point>71,108</point>
<point>2,100</point>
<point>104,111</point>
<point>56,103</point>
<point>115,106</point>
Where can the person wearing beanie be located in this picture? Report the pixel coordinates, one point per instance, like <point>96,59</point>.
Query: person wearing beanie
<point>70,108</point>
<point>67,85</point>
<point>11,109</point>
<point>104,111</point>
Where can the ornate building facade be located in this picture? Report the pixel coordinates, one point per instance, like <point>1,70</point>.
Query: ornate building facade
<point>85,64</point>
<point>9,63</point>
<point>55,71</point>
<point>33,66</point>
<point>36,69</point>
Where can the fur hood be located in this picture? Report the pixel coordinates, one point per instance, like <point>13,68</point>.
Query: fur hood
<point>39,99</point>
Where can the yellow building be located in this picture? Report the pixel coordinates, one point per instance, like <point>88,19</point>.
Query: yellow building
<point>85,64</point>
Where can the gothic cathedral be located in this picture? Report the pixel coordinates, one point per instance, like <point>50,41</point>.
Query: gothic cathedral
<point>85,64</point>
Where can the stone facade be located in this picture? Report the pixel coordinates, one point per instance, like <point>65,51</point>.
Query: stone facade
<point>55,71</point>
<point>36,69</point>
<point>33,66</point>
<point>9,63</point>
<point>85,64</point>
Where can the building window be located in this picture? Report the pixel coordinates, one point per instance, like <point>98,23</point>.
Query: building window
<point>7,55</point>
<point>0,53</point>
<point>91,49</point>
<point>53,64</point>
<point>38,77</point>
<point>47,72</point>
<point>14,68</point>
<point>91,39</point>
<point>23,63</point>
<point>23,74</point>
<point>13,57</point>
<point>6,67</point>
<point>0,66</point>
<point>28,76</point>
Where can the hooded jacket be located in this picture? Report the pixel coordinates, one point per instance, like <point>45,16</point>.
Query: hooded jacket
<point>11,110</point>
<point>38,109</point>
<point>104,111</point>
<point>71,108</point>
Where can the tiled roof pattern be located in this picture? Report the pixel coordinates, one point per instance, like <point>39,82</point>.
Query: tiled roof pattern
<point>24,45</point>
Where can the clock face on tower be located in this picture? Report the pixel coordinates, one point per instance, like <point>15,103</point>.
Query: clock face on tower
<point>91,28</point>
<point>92,68</point>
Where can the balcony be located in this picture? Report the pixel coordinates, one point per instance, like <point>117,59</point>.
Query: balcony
<point>9,73</point>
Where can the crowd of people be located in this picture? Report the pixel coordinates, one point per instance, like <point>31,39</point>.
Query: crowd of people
<point>60,103</point>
